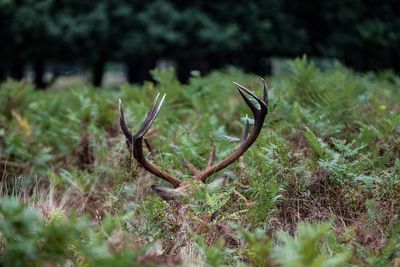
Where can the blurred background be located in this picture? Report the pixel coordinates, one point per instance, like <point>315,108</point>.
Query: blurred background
<point>43,41</point>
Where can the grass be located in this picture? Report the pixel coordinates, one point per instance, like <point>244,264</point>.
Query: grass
<point>320,187</point>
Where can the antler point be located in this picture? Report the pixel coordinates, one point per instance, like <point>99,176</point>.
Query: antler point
<point>162,99</point>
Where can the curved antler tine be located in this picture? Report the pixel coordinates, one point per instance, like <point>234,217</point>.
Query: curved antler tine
<point>247,139</point>
<point>153,106</point>
<point>259,100</point>
<point>243,90</point>
<point>248,91</point>
<point>265,95</point>
<point>246,131</point>
<point>145,126</point>
<point>123,125</point>
<point>136,142</point>
<point>159,105</point>
<point>248,101</point>
<point>151,116</point>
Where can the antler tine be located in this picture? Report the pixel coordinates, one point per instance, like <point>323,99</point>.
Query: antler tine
<point>151,116</point>
<point>136,141</point>
<point>191,167</point>
<point>123,126</point>
<point>212,156</point>
<point>246,142</point>
<point>262,103</point>
<point>245,131</point>
<point>265,93</point>
<point>245,98</point>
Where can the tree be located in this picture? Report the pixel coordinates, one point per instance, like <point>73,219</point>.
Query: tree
<point>151,33</point>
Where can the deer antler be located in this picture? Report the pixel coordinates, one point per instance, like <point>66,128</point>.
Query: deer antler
<point>259,117</point>
<point>135,141</point>
<point>136,147</point>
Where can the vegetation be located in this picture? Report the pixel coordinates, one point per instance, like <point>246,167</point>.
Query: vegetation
<point>200,35</point>
<point>320,187</point>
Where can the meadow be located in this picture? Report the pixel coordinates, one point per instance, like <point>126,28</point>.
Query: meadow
<point>320,186</point>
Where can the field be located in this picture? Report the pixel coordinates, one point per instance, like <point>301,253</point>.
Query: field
<point>320,187</point>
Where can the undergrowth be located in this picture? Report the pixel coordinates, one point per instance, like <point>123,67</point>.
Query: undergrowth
<point>320,187</point>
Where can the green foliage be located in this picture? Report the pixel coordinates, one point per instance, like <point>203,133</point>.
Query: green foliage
<point>19,229</point>
<point>214,255</point>
<point>329,150</point>
<point>307,249</point>
<point>34,241</point>
<point>316,145</point>
<point>13,96</point>
<point>259,248</point>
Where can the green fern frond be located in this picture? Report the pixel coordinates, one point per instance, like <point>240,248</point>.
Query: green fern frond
<point>317,146</point>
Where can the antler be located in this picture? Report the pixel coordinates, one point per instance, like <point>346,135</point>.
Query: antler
<point>136,146</point>
<point>259,117</point>
<point>135,141</point>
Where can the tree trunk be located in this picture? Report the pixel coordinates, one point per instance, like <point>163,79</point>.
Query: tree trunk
<point>2,74</point>
<point>395,60</point>
<point>131,72</point>
<point>138,69</point>
<point>17,70</point>
<point>190,63</point>
<point>355,57</point>
<point>39,75</point>
<point>98,73</point>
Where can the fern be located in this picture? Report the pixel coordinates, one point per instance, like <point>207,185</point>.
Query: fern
<point>308,248</point>
<point>318,147</point>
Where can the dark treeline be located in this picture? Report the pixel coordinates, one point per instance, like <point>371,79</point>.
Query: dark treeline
<point>201,35</point>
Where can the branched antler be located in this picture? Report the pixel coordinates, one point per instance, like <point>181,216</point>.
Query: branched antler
<point>135,142</point>
<point>259,117</point>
